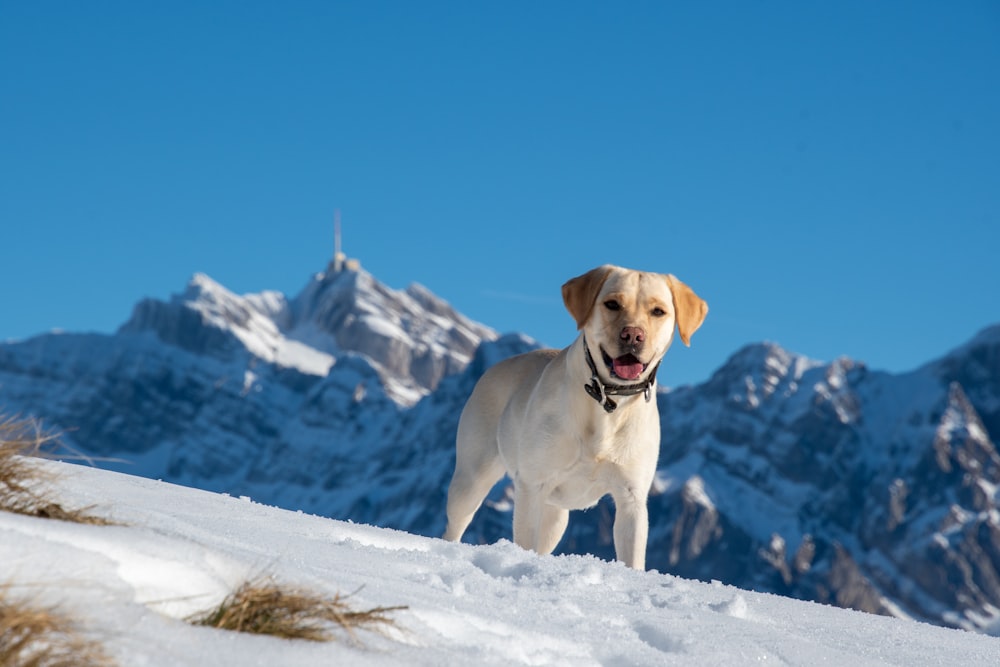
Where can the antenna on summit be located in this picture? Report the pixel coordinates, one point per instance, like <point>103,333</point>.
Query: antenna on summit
<point>338,255</point>
<point>340,261</point>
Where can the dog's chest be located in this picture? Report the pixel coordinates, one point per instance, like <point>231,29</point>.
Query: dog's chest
<point>579,487</point>
<point>591,476</point>
<point>603,455</point>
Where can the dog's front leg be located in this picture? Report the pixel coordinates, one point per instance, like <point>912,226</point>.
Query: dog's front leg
<point>631,528</point>
<point>552,523</point>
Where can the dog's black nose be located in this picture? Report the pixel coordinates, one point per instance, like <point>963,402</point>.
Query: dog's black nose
<point>633,336</point>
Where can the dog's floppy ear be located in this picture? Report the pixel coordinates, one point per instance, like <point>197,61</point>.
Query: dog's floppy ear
<point>580,293</point>
<point>690,308</point>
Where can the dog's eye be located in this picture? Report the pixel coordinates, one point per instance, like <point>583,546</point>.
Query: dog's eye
<point>612,305</point>
<point>658,312</point>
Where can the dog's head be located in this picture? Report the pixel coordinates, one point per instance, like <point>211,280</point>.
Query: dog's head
<point>629,316</point>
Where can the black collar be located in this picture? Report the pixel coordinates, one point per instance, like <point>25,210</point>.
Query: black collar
<point>600,391</point>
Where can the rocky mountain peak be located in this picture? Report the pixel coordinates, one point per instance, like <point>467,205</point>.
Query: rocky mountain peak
<point>976,367</point>
<point>412,337</point>
<point>761,370</point>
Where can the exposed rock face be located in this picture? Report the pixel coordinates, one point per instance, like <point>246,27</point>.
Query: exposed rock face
<point>412,338</point>
<point>853,487</point>
<point>824,481</point>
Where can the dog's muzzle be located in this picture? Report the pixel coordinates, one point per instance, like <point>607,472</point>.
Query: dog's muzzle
<point>601,392</point>
<point>625,367</point>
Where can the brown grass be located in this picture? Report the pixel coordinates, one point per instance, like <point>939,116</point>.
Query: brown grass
<point>24,487</point>
<point>263,607</point>
<point>33,636</point>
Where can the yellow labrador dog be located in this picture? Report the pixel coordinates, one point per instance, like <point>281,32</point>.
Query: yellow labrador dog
<point>573,425</point>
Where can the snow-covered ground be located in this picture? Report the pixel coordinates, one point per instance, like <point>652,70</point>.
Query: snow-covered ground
<point>181,550</point>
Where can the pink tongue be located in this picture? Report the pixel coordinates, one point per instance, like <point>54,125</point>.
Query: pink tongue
<point>627,367</point>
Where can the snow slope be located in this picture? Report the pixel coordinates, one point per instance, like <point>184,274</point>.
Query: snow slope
<point>181,550</point>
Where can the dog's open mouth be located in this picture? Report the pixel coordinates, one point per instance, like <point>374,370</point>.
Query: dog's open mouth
<point>626,367</point>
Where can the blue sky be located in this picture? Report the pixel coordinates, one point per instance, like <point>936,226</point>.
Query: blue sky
<point>825,174</point>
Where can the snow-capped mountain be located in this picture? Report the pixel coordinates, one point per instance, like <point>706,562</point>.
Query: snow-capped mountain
<point>254,393</point>
<point>411,338</point>
<point>825,481</point>
<point>841,484</point>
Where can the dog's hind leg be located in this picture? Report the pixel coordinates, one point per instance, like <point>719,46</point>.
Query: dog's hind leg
<point>475,474</point>
<point>537,525</point>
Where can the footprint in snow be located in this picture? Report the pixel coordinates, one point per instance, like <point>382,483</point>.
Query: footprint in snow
<point>736,606</point>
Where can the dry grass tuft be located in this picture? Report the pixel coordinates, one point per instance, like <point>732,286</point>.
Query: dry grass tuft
<point>263,607</point>
<point>24,486</point>
<point>38,637</point>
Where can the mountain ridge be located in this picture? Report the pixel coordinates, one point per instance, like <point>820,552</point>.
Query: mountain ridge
<point>422,340</point>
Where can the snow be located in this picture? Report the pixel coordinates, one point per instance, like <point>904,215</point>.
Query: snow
<point>251,318</point>
<point>694,490</point>
<point>180,550</point>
